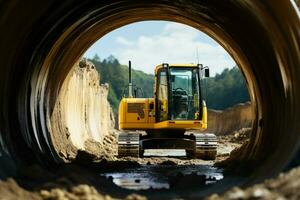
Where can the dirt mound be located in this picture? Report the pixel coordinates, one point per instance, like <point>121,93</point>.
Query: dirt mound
<point>66,182</point>
<point>229,120</point>
<point>238,137</point>
<point>231,146</point>
<point>75,193</point>
<point>285,186</point>
<point>241,135</point>
<point>95,151</point>
<point>165,161</point>
<point>10,190</point>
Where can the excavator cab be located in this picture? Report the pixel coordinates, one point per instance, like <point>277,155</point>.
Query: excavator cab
<point>179,87</point>
<point>170,118</point>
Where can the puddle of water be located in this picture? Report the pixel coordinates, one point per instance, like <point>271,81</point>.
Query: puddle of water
<point>158,176</point>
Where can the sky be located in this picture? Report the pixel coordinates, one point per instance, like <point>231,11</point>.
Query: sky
<point>150,43</point>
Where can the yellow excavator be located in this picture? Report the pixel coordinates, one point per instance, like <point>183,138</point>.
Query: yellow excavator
<point>170,118</point>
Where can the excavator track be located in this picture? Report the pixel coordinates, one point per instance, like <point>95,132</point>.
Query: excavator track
<point>206,146</point>
<point>129,145</point>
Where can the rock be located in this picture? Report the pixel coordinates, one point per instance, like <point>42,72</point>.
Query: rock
<point>135,197</point>
<point>83,190</point>
<point>214,197</point>
<point>168,162</point>
<point>260,193</point>
<point>235,194</point>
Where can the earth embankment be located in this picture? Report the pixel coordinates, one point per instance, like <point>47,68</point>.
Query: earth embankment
<point>224,122</point>
<point>82,118</point>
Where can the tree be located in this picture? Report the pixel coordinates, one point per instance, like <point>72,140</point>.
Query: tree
<point>116,75</point>
<point>96,58</point>
<point>226,89</point>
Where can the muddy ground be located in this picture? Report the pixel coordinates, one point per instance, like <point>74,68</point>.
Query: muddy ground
<point>284,186</point>
<point>85,186</point>
<point>78,181</point>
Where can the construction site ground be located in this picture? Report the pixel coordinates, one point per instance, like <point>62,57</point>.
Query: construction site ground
<point>124,178</point>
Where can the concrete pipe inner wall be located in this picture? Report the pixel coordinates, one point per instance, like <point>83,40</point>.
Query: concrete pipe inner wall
<point>42,40</point>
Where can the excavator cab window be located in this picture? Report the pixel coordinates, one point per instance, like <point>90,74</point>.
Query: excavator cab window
<point>178,94</point>
<point>185,94</point>
<point>162,95</point>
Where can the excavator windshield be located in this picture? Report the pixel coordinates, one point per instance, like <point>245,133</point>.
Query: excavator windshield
<point>184,93</point>
<point>178,94</point>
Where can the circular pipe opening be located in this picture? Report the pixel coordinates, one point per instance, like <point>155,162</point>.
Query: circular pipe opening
<point>262,37</point>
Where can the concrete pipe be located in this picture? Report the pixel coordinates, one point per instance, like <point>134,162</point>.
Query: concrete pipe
<point>41,41</point>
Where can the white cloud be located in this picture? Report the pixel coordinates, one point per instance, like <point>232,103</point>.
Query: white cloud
<point>177,43</point>
<point>124,41</point>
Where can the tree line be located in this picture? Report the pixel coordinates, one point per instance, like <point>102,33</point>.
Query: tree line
<point>221,91</point>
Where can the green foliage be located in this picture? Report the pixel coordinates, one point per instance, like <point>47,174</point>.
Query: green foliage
<point>222,91</point>
<point>116,75</point>
<point>226,89</point>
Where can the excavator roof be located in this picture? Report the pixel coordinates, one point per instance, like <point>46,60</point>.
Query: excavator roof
<point>176,65</point>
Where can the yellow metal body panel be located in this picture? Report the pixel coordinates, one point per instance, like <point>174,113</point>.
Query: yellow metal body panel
<point>204,116</point>
<point>180,124</point>
<point>135,114</point>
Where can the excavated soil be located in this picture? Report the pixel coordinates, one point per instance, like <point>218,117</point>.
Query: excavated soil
<point>284,186</point>
<point>84,182</point>
<point>67,182</point>
<point>80,181</point>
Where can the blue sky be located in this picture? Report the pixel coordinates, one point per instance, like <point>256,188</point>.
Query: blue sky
<point>150,43</point>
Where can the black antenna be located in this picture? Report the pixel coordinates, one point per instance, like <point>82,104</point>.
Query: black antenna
<point>130,81</point>
<point>205,85</point>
